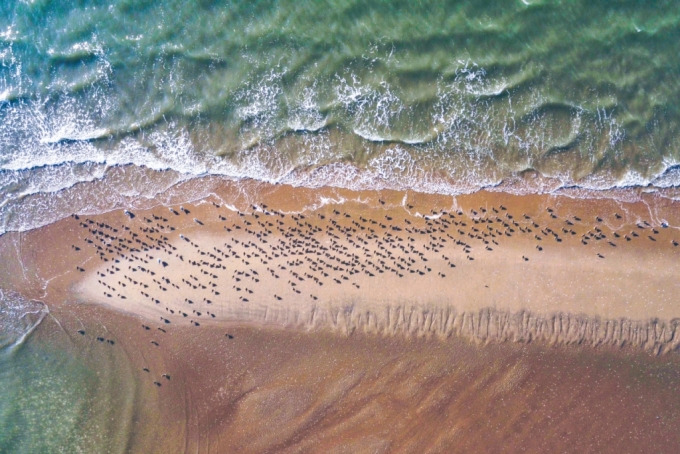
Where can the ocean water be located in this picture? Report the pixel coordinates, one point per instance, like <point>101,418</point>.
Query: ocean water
<point>57,396</point>
<point>443,97</point>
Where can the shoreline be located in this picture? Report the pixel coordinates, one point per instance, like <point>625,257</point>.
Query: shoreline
<point>564,293</point>
<point>125,186</point>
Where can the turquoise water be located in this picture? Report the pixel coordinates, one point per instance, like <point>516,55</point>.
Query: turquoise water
<point>57,395</point>
<point>445,97</point>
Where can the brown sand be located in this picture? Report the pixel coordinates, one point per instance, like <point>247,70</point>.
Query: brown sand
<point>277,390</point>
<point>400,278</point>
<point>317,391</point>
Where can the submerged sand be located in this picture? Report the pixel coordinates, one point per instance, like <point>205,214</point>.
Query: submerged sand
<point>369,349</point>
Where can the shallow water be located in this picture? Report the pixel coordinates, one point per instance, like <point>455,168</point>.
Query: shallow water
<point>434,97</point>
<point>59,394</point>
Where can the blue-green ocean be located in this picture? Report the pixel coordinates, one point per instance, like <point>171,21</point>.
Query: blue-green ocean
<point>436,96</point>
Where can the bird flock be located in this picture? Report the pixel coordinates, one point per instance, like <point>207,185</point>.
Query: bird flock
<point>188,268</point>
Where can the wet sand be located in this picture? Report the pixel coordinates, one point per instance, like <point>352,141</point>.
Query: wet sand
<point>348,307</point>
<point>270,389</point>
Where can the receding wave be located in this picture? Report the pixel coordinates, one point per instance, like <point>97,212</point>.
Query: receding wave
<point>18,319</point>
<point>75,136</point>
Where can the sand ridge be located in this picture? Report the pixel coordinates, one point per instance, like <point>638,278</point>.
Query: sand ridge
<point>484,273</point>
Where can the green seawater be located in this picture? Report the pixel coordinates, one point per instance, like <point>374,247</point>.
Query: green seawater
<point>446,97</point>
<point>59,394</point>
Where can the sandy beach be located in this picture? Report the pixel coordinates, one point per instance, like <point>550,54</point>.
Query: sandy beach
<point>387,262</point>
<point>224,304</point>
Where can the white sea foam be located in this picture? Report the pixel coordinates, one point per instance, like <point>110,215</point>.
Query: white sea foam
<point>670,177</point>
<point>49,146</point>
<point>258,109</point>
<point>304,113</point>
<point>66,135</point>
<point>372,109</point>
